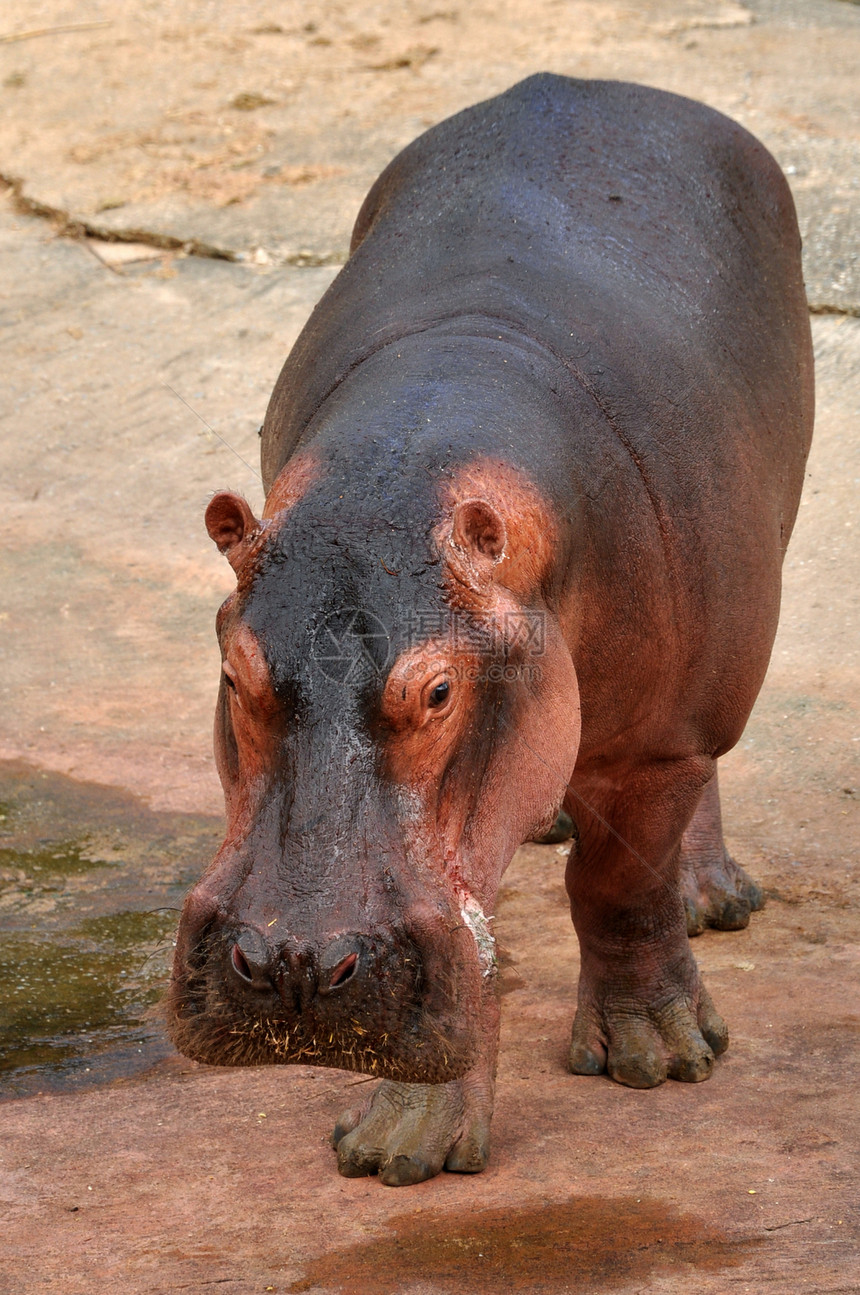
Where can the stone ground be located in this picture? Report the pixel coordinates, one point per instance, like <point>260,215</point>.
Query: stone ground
<point>170,131</point>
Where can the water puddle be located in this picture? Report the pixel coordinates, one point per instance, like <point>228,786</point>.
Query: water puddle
<point>586,1244</point>
<point>90,886</point>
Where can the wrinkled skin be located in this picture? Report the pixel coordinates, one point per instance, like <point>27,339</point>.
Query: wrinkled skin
<point>531,470</point>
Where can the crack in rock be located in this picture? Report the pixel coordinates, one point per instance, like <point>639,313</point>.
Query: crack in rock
<point>824,307</point>
<point>79,227</point>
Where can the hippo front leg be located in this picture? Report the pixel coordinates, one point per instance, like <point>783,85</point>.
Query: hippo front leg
<point>407,1133</point>
<point>643,1013</point>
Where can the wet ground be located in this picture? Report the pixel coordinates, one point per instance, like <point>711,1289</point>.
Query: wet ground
<point>124,1167</point>
<point>573,1242</point>
<point>91,881</point>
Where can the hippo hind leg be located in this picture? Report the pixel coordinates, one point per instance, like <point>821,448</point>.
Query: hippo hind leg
<point>716,890</point>
<point>643,1013</point>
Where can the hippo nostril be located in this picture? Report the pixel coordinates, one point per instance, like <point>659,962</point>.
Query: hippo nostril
<point>344,971</point>
<point>346,961</point>
<point>240,964</point>
<point>252,959</point>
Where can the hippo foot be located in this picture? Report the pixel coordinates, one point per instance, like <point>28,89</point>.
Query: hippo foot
<point>410,1132</point>
<point>563,829</point>
<point>641,1045</point>
<point>718,894</point>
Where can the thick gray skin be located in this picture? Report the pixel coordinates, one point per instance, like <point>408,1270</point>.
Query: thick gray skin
<point>600,284</point>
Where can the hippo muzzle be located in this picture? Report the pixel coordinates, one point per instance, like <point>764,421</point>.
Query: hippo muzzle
<point>262,978</point>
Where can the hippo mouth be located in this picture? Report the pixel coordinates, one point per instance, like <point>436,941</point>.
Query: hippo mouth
<point>394,1028</point>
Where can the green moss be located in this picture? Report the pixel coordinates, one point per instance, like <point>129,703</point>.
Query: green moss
<point>75,994</point>
<point>56,860</point>
<point>92,881</point>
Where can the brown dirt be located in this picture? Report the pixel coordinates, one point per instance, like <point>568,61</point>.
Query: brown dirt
<point>188,1178</point>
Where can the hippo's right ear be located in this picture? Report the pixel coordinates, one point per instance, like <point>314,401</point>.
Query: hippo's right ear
<point>231,524</point>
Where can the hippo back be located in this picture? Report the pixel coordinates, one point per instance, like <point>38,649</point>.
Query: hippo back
<point>646,239</point>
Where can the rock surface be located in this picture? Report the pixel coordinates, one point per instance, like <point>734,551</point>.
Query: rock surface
<point>254,134</point>
<point>133,389</point>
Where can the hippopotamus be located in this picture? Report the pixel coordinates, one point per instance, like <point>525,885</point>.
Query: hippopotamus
<point>531,470</point>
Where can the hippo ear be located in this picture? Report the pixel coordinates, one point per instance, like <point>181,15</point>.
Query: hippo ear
<point>479,532</point>
<point>230,523</point>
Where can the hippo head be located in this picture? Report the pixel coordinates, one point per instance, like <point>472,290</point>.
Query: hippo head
<point>397,713</point>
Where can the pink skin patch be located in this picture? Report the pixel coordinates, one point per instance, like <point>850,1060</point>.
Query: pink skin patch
<point>292,482</point>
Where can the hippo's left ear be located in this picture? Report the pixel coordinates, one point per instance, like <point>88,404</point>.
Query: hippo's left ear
<point>231,524</point>
<point>496,532</point>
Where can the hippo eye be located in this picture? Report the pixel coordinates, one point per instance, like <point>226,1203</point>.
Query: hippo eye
<point>439,695</point>
<point>229,680</point>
